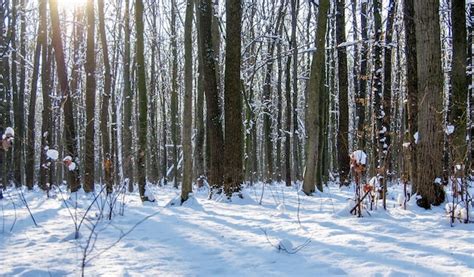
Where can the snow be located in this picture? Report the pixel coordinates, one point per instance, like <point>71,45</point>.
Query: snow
<point>348,43</point>
<point>360,157</point>
<point>52,154</point>
<point>216,238</point>
<point>9,133</point>
<point>449,129</point>
<point>416,137</point>
<point>71,166</point>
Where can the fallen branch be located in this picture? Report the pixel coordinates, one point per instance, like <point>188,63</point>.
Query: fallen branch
<point>359,203</point>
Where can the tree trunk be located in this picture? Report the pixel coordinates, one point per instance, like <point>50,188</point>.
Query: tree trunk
<point>142,101</point>
<point>343,132</point>
<point>14,85</point>
<point>46,176</point>
<point>186,186</point>
<point>107,159</point>
<point>430,87</point>
<point>279,108</point>
<point>19,92</point>
<point>412,89</point>
<point>296,140</point>
<point>315,92</point>
<point>457,111</point>
<point>212,97</point>
<point>153,158</point>
<point>361,101</point>
<point>89,161</point>
<point>69,128</point>
<point>30,133</point>
<point>288,124</point>
<point>470,64</point>
<point>174,113</point>
<point>200,131</point>
<point>384,129</point>
<point>127,142</point>
<point>233,99</point>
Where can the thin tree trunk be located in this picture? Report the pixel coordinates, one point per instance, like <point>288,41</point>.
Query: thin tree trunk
<point>200,131</point>
<point>343,132</point>
<point>142,101</point>
<point>19,96</point>
<point>89,161</point>
<point>412,89</point>
<point>361,101</point>
<point>127,142</point>
<point>30,145</point>
<point>107,159</point>
<point>46,172</point>
<point>288,124</point>
<point>174,113</point>
<point>186,187</point>
<point>296,140</point>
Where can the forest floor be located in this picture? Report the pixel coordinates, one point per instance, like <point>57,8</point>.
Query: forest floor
<point>241,238</point>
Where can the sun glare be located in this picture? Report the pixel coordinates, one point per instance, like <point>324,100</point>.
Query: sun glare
<point>71,4</point>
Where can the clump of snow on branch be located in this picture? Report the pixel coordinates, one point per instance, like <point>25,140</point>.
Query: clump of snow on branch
<point>285,245</point>
<point>52,154</point>
<point>9,133</point>
<point>449,129</point>
<point>360,157</point>
<point>416,136</point>
<point>71,166</point>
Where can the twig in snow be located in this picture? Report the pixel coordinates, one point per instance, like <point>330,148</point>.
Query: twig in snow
<point>14,208</point>
<point>23,199</point>
<point>278,247</point>
<point>123,235</point>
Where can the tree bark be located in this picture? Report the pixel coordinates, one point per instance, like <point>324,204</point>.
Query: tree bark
<point>457,111</point>
<point>46,172</point>
<point>142,101</point>
<point>361,101</point>
<point>174,113</point>
<point>212,97</point>
<point>69,128</point>
<point>430,87</point>
<point>107,159</point>
<point>200,130</point>
<point>127,141</point>
<point>288,124</point>
<point>316,89</point>
<point>89,161</point>
<point>412,89</point>
<point>343,132</point>
<point>233,99</point>
<point>30,133</point>
<point>296,140</point>
<point>186,187</point>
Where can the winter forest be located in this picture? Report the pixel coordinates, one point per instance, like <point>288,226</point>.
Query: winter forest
<point>236,138</point>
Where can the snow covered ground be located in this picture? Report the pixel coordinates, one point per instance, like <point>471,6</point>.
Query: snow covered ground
<point>217,238</point>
